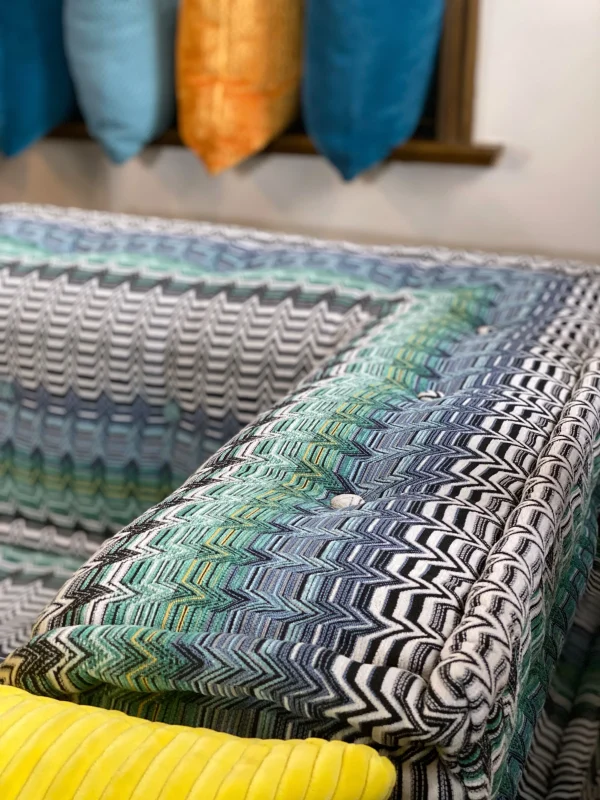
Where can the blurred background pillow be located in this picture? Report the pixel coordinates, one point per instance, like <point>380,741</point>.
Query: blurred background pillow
<point>238,75</point>
<point>36,93</point>
<point>121,55</point>
<point>368,66</point>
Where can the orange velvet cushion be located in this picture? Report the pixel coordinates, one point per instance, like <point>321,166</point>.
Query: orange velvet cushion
<point>238,73</point>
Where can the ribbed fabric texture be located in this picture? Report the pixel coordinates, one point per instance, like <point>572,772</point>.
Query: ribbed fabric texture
<point>52,750</point>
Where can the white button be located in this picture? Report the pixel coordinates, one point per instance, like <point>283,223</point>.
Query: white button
<point>347,501</point>
<point>430,395</point>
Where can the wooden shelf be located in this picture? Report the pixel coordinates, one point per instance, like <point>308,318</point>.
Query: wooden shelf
<point>424,150</point>
<point>414,150</point>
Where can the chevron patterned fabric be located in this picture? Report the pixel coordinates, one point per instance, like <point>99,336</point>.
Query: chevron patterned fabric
<point>448,617</point>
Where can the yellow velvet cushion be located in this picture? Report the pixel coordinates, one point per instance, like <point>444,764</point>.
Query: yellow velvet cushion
<point>53,750</point>
<point>238,75</point>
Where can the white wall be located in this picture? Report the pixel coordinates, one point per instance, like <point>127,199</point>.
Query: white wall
<point>538,93</point>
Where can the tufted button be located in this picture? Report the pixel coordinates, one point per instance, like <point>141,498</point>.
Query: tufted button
<point>483,330</point>
<point>347,501</point>
<point>429,395</point>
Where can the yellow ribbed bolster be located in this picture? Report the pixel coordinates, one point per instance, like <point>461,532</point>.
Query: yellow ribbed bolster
<point>53,750</point>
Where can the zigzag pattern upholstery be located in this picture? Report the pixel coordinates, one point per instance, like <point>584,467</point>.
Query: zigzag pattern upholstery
<point>457,395</point>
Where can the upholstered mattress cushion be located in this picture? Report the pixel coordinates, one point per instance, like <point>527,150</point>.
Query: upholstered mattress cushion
<point>426,616</point>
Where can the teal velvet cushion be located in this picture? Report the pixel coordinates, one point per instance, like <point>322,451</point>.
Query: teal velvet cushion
<point>121,54</point>
<point>36,92</point>
<point>368,64</point>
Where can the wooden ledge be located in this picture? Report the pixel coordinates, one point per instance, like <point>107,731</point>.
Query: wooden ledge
<point>423,150</point>
<point>414,150</point>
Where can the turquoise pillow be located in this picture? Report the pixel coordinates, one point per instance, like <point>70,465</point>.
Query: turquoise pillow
<point>368,65</point>
<point>36,92</point>
<point>121,54</point>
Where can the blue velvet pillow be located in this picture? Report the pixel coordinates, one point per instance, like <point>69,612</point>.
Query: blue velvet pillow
<point>121,54</point>
<point>36,93</point>
<point>368,64</point>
